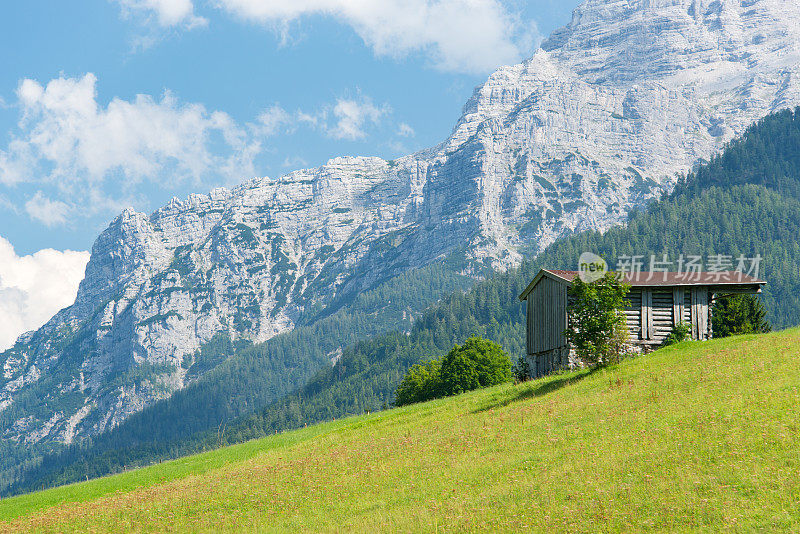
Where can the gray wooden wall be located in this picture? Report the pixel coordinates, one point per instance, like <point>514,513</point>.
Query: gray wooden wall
<point>547,316</point>
<point>650,315</point>
<point>652,312</point>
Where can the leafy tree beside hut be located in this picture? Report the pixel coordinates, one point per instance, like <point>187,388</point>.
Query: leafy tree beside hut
<point>596,325</point>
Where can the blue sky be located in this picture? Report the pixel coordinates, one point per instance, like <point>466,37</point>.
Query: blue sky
<point>106,104</point>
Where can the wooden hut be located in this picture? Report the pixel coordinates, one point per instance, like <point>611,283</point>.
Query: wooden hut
<point>657,302</point>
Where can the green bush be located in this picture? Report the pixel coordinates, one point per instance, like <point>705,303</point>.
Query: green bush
<point>521,370</point>
<point>680,332</point>
<point>739,314</point>
<point>420,383</point>
<point>476,364</point>
<point>458,374</point>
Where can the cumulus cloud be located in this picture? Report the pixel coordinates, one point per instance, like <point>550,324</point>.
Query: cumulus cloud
<point>351,117</point>
<point>294,162</point>
<point>168,13</point>
<point>347,119</point>
<point>272,119</point>
<point>459,35</point>
<point>67,138</point>
<point>14,162</point>
<point>6,204</point>
<point>33,288</point>
<point>404,130</point>
<point>84,158</point>
<point>49,212</point>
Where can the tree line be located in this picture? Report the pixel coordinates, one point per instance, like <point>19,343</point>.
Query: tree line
<point>744,201</point>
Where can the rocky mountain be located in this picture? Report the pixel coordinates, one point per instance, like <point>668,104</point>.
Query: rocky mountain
<point>598,121</point>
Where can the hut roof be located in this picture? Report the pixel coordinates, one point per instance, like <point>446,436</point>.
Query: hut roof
<point>660,279</point>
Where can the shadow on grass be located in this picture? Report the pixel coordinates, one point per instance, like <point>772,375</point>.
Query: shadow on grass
<point>542,389</point>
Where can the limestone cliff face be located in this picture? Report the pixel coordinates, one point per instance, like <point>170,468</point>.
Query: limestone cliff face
<point>598,121</point>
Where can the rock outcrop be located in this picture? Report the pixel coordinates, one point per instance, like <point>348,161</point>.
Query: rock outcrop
<point>597,122</point>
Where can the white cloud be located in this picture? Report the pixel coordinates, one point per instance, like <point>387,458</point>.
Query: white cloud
<point>309,119</point>
<point>85,158</point>
<point>33,288</point>
<point>44,210</point>
<point>404,130</point>
<point>351,117</point>
<point>14,162</point>
<point>459,35</point>
<point>6,204</point>
<point>67,138</point>
<point>294,162</point>
<point>168,13</point>
<point>347,119</point>
<point>272,119</point>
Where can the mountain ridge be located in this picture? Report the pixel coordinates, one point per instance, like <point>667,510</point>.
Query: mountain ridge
<point>745,201</point>
<point>571,139</point>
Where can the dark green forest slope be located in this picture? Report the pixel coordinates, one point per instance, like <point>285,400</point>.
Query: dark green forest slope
<point>231,379</point>
<point>745,201</point>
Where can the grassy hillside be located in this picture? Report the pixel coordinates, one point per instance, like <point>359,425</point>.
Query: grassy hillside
<point>745,201</point>
<point>230,379</point>
<point>699,435</point>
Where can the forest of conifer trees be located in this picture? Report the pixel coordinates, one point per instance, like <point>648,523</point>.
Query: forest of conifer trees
<point>746,201</point>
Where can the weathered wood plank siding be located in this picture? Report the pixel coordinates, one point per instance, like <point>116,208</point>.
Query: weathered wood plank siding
<point>661,314</point>
<point>650,315</point>
<point>633,312</point>
<point>677,305</point>
<point>700,313</point>
<point>547,316</point>
<point>710,328</point>
<point>646,315</point>
<point>687,306</point>
<point>651,312</point>
<point>530,313</point>
<point>561,315</point>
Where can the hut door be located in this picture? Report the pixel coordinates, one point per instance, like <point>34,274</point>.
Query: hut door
<point>647,314</point>
<point>677,305</point>
<point>699,313</point>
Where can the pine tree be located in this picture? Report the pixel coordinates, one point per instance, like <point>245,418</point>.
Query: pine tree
<point>739,314</point>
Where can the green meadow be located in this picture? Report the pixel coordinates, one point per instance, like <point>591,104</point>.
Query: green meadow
<point>698,436</point>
